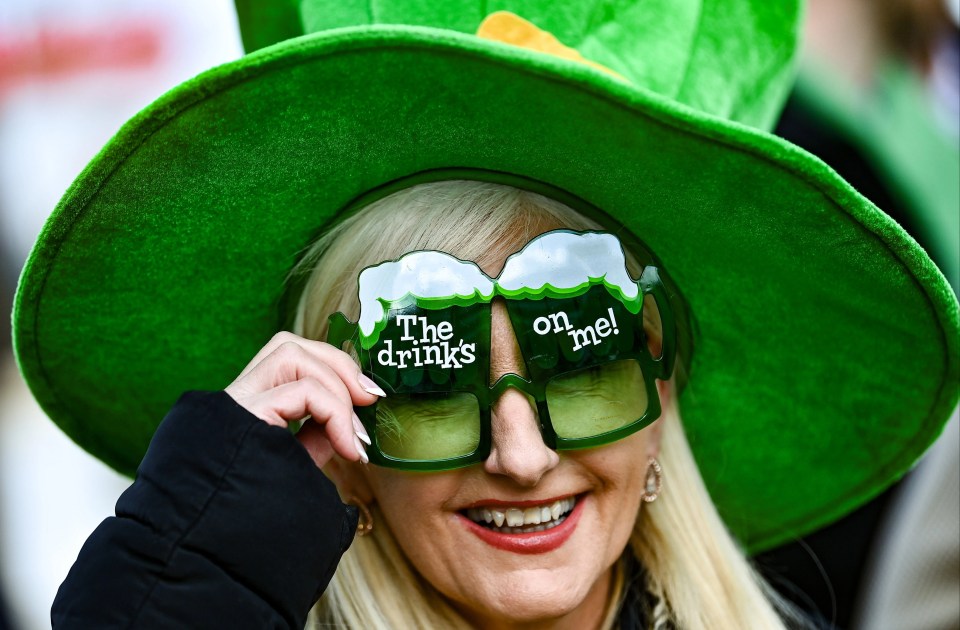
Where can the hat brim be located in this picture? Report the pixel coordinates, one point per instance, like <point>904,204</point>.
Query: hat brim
<point>825,353</point>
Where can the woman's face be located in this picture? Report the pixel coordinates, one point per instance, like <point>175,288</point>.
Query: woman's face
<point>494,577</point>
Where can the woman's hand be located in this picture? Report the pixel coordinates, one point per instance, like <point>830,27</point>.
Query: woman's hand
<point>293,378</point>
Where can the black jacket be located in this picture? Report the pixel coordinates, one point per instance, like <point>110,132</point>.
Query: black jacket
<point>229,524</point>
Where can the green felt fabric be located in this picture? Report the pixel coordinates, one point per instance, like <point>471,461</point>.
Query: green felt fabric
<point>267,22</point>
<point>825,354</point>
<point>896,127</point>
<point>730,59</point>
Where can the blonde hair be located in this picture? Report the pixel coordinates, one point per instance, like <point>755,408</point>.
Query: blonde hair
<point>693,569</point>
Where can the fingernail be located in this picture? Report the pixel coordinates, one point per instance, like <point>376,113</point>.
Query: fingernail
<point>360,430</point>
<point>369,386</point>
<point>361,450</point>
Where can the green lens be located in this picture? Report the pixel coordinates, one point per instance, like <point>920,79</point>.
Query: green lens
<point>596,400</point>
<point>431,426</point>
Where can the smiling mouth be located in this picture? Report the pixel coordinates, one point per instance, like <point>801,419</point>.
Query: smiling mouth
<point>522,520</point>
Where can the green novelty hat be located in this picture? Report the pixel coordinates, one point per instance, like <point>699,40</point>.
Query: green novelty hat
<point>824,341</point>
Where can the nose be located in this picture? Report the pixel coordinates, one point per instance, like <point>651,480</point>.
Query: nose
<point>517,450</point>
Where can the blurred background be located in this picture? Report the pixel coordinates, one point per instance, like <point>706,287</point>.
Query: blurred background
<point>71,72</point>
<point>878,98</point>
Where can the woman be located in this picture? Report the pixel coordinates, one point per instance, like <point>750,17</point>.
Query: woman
<point>169,264</point>
<point>475,583</point>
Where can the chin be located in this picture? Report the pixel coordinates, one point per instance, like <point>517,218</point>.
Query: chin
<point>541,597</point>
<point>519,611</point>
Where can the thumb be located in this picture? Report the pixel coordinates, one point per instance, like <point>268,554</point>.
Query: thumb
<point>313,438</point>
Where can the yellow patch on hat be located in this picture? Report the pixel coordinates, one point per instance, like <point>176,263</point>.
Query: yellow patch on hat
<point>510,28</point>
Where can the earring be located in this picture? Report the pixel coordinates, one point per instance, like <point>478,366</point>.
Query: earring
<point>365,522</point>
<point>653,482</point>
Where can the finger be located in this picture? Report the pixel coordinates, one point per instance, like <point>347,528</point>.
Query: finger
<point>361,430</point>
<point>318,348</point>
<point>294,400</point>
<point>275,342</point>
<point>291,358</point>
<point>363,391</point>
<point>291,362</point>
<point>315,441</point>
<point>313,438</point>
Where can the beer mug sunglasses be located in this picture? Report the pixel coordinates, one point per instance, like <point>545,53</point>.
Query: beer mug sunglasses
<point>424,337</point>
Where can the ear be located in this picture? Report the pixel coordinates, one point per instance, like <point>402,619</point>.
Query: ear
<point>350,479</point>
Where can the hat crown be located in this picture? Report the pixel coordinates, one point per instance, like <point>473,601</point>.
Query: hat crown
<point>728,58</point>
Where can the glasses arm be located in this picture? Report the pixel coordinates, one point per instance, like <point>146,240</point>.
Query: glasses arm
<point>339,330</point>
<point>650,284</point>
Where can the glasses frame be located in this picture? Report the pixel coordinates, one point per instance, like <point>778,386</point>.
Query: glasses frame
<point>342,330</point>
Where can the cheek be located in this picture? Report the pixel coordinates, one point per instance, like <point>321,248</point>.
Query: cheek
<point>413,507</point>
<point>411,503</point>
<point>621,468</point>
<point>622,463</point>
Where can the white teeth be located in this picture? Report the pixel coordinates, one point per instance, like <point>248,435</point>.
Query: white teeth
<point>524,520</point>
<point>531,516</point>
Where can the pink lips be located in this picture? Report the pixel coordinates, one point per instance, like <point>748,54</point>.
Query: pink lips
<point>532,543</point>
